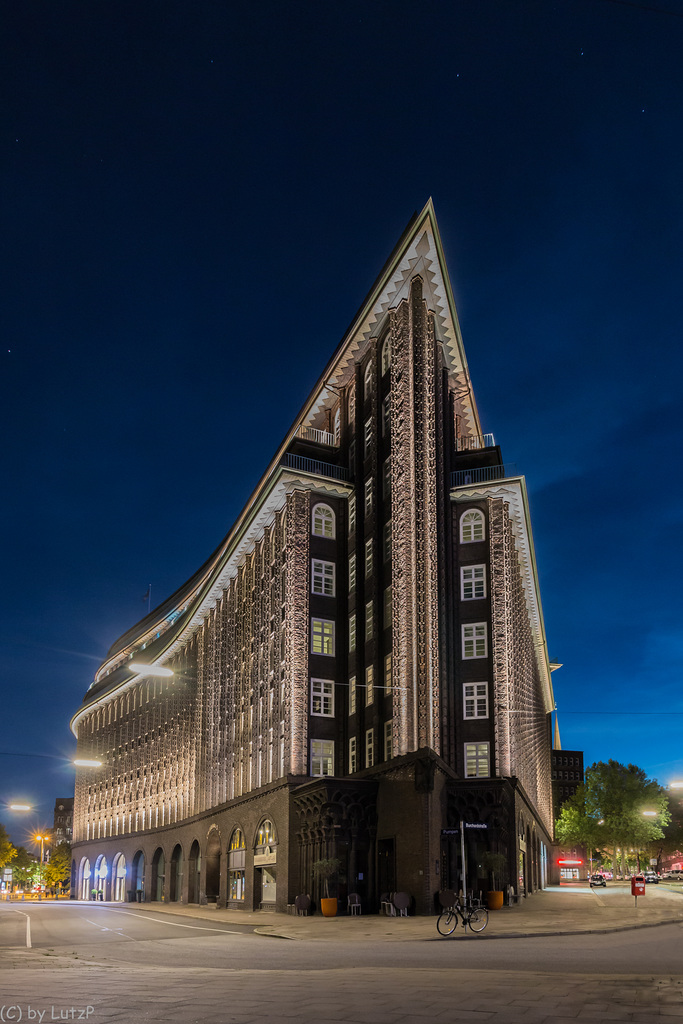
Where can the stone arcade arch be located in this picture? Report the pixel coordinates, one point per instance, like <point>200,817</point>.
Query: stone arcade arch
<point>99,881</point>
<point>176,887</point>
<point>137,881</point>
<point>194,873</point>
<point>213,865</point>
<point>158,875</point>
<point>265,866</point>
<point>118,878</point>
<point>84,879</point>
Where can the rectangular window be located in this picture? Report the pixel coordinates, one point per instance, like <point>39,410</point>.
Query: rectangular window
<point>477,761</point>
<point>369,685</point>
<point>352,632</point>
<point>386,416</point>
<point>369,621</point>
<point>352,514</point>
<point>475,699</point>
<point>322,697</point>
<point>322,577</point>
<point>386,542</point>
<point>322,637</point>
<point>474,640</point>
<point>388,737</point>
<point>322,757</point>
<point>353,756</point>
<point>352,573</point>
<point>386,479</point>
<point>367,437</point>
<point>387,608</point>
<point>368,558</point>
<point>369,748</point>
<point>368,495</point>
<point>352,695</point>
<point>472,582</point>
<point>387,674</point>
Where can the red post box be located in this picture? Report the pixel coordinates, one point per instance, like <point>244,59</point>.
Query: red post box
<point>637,887</point>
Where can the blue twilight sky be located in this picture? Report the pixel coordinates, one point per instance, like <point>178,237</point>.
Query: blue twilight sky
<point>196,198</point>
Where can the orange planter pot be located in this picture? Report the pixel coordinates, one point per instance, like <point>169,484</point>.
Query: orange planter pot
<point>494,898</point>
<point>328,905</point>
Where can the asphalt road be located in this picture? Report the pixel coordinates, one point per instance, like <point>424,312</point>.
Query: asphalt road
<point>128,965</point>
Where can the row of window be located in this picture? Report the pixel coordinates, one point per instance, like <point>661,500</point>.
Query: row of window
<point>573,776</point>
<point>563,759</point>
<point>477,760</point>
<point>474,634</point>
<point>475,695</point>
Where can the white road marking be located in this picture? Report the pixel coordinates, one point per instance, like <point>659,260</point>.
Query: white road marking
<point>171,924</point>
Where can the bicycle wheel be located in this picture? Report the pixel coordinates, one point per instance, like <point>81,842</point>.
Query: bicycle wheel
<point>478,920</point>
<point>447,922</point>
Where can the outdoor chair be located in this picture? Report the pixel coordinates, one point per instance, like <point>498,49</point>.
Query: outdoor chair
<point>353,905</point>
<point>302,904</point>
<point>402,901</point>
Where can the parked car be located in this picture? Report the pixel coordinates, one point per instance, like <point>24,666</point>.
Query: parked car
<point>598,880</point>
<point>651,877</point>
<point>675,874</point>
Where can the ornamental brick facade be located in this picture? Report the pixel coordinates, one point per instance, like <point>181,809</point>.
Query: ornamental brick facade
<point>358,670</point>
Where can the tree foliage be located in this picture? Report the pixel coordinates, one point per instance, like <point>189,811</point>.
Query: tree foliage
<point>25,868</point>
<point>58,871</point>
<point>7,849</point>
<point>607,811</point>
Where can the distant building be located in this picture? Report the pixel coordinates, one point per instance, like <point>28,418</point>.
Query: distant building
<point>567,776</point>
<point>358,670</point>
<point>63,820</point>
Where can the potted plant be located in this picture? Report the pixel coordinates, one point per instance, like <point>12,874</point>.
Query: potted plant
<point>495,864</point>
<point>325,870</point>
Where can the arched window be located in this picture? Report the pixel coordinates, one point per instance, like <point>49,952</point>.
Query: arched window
<point>266,834</point>
<point>367,386</point>
<point>471,526</point>
<point>323,521</point>
<point>236,866</point>
<point>386,354</point>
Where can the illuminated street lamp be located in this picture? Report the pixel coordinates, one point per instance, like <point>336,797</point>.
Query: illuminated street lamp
<point>41,839</point>
<point>676,785</point>
<point>20,807</point>
<point>650,814</point>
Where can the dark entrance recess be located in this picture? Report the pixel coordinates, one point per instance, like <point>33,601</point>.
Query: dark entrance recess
<point>386,865</point>
<point>194,872</point>
<point>176,874</point>
<point>213,867</point>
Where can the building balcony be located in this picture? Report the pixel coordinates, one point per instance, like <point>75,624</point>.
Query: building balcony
<point>474,443</point>
<point>482,475</point>
<point>318,436</point>
<point>314,466</point>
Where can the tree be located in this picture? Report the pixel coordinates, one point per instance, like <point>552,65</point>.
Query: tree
<point>57,872</point>
<point>7,849</point>
<point>607,811</point>
<point>25,868</point>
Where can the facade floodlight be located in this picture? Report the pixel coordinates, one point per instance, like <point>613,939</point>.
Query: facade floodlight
<point>84,762</point>
<point>157,671</point>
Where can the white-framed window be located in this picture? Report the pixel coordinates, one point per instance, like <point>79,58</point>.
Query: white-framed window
<point>369,494</point>
<point>472,582</point>
<point>337,426</point>
<point>352,573</point>
<point>367,380</point>
<point>387,607</point>
<point>387,673</point>
<point>352,632</point>
<point>322,757</point>
<point>474,640</point>
<point>477,761</point>
<point>322,697</point>
<point>322,637</point>
<point>386,479</point>
<point>475,700</point>
<point>388,740</point>
<point>471,526</point>
<point>353,755</point>
<point>352,514</point>
<point>369,685</point>
<point>369,620</point>
<point>367,437</point>
<point>322,577</point>
<point>323,521</point>
<point>369,748</point>
<point>386,542</point>
<point>386,354</point>
<point>352,695</point>
<point>368,558</point>
<point>386,416</point>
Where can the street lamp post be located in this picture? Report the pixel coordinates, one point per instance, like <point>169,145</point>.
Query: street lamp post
<point>42,851</point>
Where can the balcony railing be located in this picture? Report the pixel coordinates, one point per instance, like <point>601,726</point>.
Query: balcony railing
<point>462,477</point>
<point>315,467</point>
<point>473,444</point>
<point>319,436</point>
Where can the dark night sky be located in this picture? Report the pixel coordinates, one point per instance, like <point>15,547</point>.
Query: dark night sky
<point>196,198</point>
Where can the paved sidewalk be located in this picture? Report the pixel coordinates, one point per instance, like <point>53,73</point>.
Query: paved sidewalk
<point>554,911</point>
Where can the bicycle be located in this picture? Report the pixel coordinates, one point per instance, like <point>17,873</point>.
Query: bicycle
<point>472,914</point>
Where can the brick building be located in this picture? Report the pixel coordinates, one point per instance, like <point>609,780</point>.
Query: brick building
<point>358,668</point>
